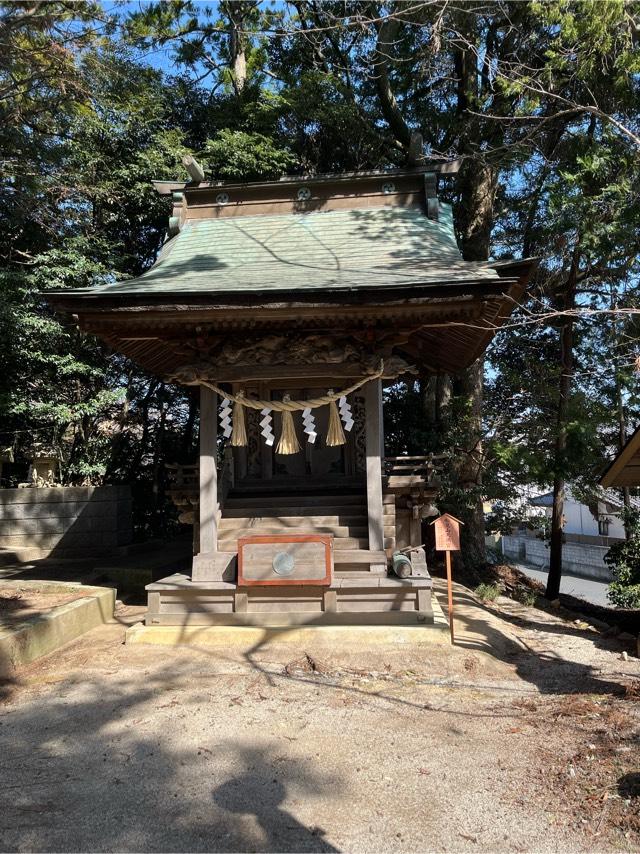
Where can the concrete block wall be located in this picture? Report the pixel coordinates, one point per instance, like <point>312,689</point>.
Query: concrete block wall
<point>513,547</point>
<point>580,559</point>
<point>68,521</point>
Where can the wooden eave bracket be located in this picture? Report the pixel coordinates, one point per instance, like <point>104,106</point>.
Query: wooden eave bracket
<point>176,219</point>
<point>431,195</point>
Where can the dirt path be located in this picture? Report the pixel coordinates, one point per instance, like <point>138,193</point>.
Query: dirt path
<point>524,737</point>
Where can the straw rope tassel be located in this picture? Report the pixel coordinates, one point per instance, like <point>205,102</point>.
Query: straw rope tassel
<point>288,443</point>
<point>239,432</point>
<point>335,433</point>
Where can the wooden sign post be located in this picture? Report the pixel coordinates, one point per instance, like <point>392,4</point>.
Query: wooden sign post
<point>447,529</point>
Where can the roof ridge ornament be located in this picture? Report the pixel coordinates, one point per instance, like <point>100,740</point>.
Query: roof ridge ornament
<point>415,153</point>
<point>431,195</point>
<point>195,170</point>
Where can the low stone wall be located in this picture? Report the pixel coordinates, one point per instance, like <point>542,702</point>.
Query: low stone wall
<point>65,522</point>
<point>579,559</point>
<point>39,635</point>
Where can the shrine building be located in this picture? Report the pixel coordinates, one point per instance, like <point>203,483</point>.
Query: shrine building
<point>291,304</point>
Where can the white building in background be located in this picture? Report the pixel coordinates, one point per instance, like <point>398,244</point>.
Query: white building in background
<point>599,520</point>
<point>588,532</point>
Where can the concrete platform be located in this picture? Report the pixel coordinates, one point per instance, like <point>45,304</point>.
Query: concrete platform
<point>39,635</point>
<point>336,636</point>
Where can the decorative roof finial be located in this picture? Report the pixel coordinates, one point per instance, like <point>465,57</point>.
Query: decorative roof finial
<point>195,170</point>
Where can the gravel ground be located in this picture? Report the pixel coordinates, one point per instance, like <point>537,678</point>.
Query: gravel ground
<point>524,737</point>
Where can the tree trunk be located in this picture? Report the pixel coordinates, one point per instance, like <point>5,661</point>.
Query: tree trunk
<point>388,30</point>
<point>474,219</point>
<point>622,440</point>
<point>559,456</point>
<point>619,404</point>
<point>236,11</point>
<point>476,185</point>
<point>470,474</point>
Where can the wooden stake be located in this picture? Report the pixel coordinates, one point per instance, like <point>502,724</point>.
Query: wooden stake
<point>450,593</point>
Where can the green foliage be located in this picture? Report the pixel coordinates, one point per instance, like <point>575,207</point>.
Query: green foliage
<point>624,560</point>
<point>524,595</point>
<point>488,592</point>
<point>257,90</point>
<point>240,156</point>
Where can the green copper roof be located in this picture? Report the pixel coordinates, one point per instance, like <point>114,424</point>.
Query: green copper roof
<point>339,249</point>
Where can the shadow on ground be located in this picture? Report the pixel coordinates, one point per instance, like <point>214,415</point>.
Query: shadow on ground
<point>548,666</point>
<point>117,782</point>
<point>550,669</point>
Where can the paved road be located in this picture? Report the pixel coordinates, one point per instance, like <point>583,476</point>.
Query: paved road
<point>585,588</point>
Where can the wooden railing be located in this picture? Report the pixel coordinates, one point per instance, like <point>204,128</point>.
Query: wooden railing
<point>184,486</point>
<point>426,466</point>
<point>182,478</point>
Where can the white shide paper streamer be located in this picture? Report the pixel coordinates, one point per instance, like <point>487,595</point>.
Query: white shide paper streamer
<point>266,424</point>
<point>345,413</point>
<point>309,425</point>
<point>225,417</point>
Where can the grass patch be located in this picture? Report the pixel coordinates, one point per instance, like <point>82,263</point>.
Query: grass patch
<point>524,595</point>
<point>487,592</point>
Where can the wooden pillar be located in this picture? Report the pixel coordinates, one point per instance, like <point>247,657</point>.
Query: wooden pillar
<point>208,471</point>
<point>374,443</point>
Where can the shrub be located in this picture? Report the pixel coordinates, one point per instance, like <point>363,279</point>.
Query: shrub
<point>487,592</point>
<point>524,595</point>
<point>624,560</point>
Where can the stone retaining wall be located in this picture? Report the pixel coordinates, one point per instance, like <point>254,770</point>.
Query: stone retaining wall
<point>577,558</point>
<point>41,634</point>
<point>65,522</point>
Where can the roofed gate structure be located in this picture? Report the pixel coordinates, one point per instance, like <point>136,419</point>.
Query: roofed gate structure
<point>291,304</point>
